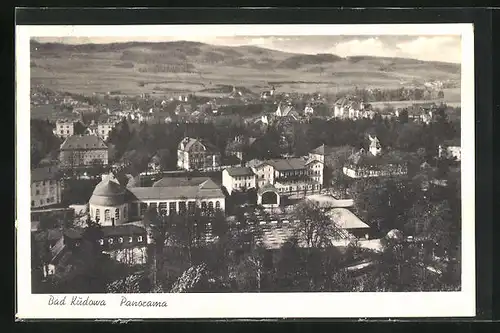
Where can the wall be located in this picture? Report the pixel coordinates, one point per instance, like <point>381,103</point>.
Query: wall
<point>45,193</point>
<point>123,211</point>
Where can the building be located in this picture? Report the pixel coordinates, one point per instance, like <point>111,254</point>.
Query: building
<point>296,176</point>
<point>286,110</point>
<point>105,127</point>
<point>349,222</point>
<point>46,187</point>
<point>83,150</point>
<point>349,107</point>
<point>238,179</point>
<point>64,128</point>
<point>113,204</point>
<point>308,110</point>
<point>238,145</point>
<point>374,163</point>
<point>450,149</point>
<point>195,154</point>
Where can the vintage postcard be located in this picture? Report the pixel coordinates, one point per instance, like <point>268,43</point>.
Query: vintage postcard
<point>245,171</point>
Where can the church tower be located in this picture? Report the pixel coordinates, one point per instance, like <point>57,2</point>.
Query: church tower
<point>375,147</point>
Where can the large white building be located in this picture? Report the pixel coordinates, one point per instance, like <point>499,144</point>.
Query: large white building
<point>64,128</point>
<point>450,149</point>
<point>238,179</point>
<point>373,163</point>
<point>194,154</point>
<point>114,204</point>
<point>46,187</point>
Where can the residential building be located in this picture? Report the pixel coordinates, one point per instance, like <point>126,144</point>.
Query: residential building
<point>450,149</point>
<point>374,163</point>
<point>308,110</point>
<point>237,146</point>
<point>238,179</point>
<point>105,127</point>
<point>114,204</point>
<point>196,154</point>
<point>349,107</point>
<point>83,150</point>
<point>286,110</point>
<point>46,187</point>
<point>64,128</point>
<point>290,176</point>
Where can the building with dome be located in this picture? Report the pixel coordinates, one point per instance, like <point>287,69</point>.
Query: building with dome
<point>113,204</point>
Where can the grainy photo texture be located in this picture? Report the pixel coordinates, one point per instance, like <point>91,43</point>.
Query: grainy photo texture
<point>245,164</point>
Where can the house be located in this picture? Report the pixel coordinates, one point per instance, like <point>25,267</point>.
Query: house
<point>46,187</point>
<point>65,127</point>
<point>183,109</point>
<point>308,110</point>
<point>349,107</point>
<point>267,94</point>
<point>450,149</point>
<point>238,179</point>
<point>237,146</point>
<point>113,204</point>
<point>105,127</point>
<point>286,110</point>
<point>83,150</point>
<point>374,163</point>
<point>290,176</point>
<point>197,154</point>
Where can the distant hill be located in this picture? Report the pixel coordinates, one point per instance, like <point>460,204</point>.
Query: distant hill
<point>96,67</point>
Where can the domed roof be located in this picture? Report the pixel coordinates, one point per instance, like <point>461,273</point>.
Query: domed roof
<point>108,193</point>
<point>395,234</point>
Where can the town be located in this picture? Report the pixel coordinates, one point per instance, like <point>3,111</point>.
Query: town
<point>250,191</point>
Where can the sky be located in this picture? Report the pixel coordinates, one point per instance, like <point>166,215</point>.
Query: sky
<point>446,48</point>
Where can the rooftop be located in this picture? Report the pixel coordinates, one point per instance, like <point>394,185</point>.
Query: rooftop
<point>239,171</point>
<point>180,192</point>
<point>345,219</point>
<point>181,181</point>
<point>47,173</point>
<point>295,163</point>
<point>83,142</point>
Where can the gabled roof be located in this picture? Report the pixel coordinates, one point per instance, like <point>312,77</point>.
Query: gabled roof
<point>188,142</point>
<point>284,111</point>
<point>239,171</point>
<point>345,219</point>
<point>83,142</point>
<point>295,163</point>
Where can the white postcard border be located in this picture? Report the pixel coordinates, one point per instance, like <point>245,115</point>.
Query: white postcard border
<point>249,305</point>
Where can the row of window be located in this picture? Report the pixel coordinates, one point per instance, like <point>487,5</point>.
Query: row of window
<point>62,132</point>
<point>107,213</point>
<point>120,240</point>
<point>243,178</point>
<point>42,201</point>
<point>46,182</point>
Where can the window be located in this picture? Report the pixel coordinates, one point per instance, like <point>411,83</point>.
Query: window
<point>101,241</point>
<point>117,214</point>
<point>130,239</point>
<point>41,202</point>
<point>217,205</point>
<point>37,192</point>
<point>110,241</point>
<point>107,217</point>
<point>125,212</point>
<point>97,213</point>
<point>172,208</point>
<point>32,202</point>
<point>210,205</point>
<point>139,239</point>
<point>43,183</point>
<point>120,240</point>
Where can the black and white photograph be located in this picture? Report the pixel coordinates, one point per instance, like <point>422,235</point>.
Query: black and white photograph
<point>266,164</point>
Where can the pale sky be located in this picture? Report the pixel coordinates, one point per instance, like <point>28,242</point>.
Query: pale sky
<point>446,48</point>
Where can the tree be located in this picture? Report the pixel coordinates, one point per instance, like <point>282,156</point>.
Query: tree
<point>315,228</point>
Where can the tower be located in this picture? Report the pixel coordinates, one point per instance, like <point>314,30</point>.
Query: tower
<point>375,147</point>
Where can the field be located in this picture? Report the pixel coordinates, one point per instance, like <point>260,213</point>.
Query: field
<point>169,69</point>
